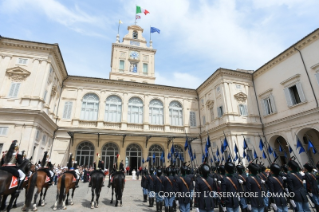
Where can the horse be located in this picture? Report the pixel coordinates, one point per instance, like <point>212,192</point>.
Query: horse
<point>65,183</point>
<point>97,181</point>
<point>37,180</point>
<point>5,181</point>
<point>118,183</point>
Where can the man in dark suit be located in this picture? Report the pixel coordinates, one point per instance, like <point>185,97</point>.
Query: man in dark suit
<point>253,185</point>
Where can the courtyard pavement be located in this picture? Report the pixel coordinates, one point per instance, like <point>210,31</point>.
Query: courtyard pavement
<point>132,199</point>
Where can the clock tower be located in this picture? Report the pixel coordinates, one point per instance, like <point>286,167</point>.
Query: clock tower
<point>132,60</point>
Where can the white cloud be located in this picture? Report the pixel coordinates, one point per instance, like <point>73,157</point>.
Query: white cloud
<point>178,79</point>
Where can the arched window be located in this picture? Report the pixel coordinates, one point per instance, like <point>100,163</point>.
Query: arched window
<point>133,156</point>
<point>243,110</point>
<point>90,107</point>
<point>109,152</point>
<point>156,112</point>
<point>135,110</point>
<point>155,151</point>
<point>85,154</point>
<point>178,155</point>
<point>135,35</point>
<point>113,109</point>
<point>176,114</point>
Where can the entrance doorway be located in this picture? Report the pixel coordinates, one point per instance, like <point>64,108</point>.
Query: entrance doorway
<point>133,164</point>
<point>133,157</point>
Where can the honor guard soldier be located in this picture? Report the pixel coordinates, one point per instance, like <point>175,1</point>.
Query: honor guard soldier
<point>312,186</point>
<point>241,176</point>
<point>263,178</point>
<point>144,185</point>
<point>230,186</point>
<point>169,189</point>
<point>183,188</point>
<point>276,188</point>
<point>191,188</point>
<point>253,185</point>
<point>71,168</point>
<point>99,168</point>
<point>295,185</point>
<point>10,162</point>
<point>159,189</point>
<point>46,166</point>
<point>151,192</point>
<point>205,190</point>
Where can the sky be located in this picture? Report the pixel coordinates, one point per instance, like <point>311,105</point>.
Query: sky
<point>196,38</point>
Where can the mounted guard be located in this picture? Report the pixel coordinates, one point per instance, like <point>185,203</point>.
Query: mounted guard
<point>46,166</point>
<point>100,168</point>
<point>72,166</point>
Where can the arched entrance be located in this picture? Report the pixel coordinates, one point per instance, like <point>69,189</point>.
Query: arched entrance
<point>133,156</point>
<point>109,152</point>
<point>85,154</point>
<point>155,150</point>
<point>307,136</point>
<point>280,146</point>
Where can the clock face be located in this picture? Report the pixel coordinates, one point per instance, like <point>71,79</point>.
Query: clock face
<point>134,55</point>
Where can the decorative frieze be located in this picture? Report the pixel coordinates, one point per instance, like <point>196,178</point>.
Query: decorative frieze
<point>17,74</point>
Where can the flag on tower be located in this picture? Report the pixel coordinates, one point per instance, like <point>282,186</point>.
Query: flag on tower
<point>141,10</point>
<point>153,29</point>
<point>137,17</point>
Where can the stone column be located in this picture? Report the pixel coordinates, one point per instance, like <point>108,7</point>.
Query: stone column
<point>146,112</point>
<point>102,108</point>
<point>166,114</point>
<point>124,111</point>
<point>45,78</point>
<point>78,106</point>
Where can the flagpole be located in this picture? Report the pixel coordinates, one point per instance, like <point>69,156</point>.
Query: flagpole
<point>231,155</point>
<point>310,159</point>
<point>269,160</point>
<point>207,147</point>
<point>135,14</point>
<point>292,151</point>
<point>304,149</point>
<point>118,29</point>
<point>150,34</point>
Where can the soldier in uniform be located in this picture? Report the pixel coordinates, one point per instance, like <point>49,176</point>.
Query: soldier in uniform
<point>263,177</point>
<point>159,188</point>
<point>241,176</point>
<point>46,166</point>
<point>10,162</point>
<point>113,170</point>
<point>144,185</point>
<point>312,186</point>
<point>169,189</point>
<point>205,190</point>
<point>276,188</point>
<point>191,188</point>
<point>295,184</point>
<point>151,192</point>
<point>183,188</point>
<point>253,184</point>
<point>99,168</point>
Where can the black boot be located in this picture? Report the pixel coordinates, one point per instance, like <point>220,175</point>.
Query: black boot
<point>19,185</point>
<point>174,206</point>
<point>191,205</point>
<point>145,198</point>
<point>266,209</point>
<point>244,209</point>
<point>149,201</point>
<point>157,207</point>
<point>166,209</point>
<point>161,206</point>
<point>109,185</point>
<point>170,209</point>
<point>77,184</point>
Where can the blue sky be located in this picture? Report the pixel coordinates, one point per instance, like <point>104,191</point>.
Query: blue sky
<point>197,37</point>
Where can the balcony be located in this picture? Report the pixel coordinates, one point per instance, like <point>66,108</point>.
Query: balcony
<point>84,123</point>
<point>177,129</point>
<point>158,128</point>
<point>135,126</point>
<point>110,125</point>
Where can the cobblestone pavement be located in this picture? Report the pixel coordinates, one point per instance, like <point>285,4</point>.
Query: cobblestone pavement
<point>132,199</point>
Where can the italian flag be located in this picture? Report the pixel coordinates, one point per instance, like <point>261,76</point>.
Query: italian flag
<point>141,10</point>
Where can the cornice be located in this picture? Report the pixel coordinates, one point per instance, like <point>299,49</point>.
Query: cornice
<point>266,92</point>
<point>296,76</point>
<point>132,75</point>
<point>127,84</point>
<point>127,46</point>
<point>288,52</point>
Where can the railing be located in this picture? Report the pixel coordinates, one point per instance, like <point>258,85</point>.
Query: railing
<point>177,129</point>
<point>135,126</point>
<point>84,123</point>
<point>156,128</point>
<point>110,125</point>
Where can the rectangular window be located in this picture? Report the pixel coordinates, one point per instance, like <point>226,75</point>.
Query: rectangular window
<point>204,120</point>
<point>212,114</point>
<point>37,137</point>
<point>145,68</point>
<point>192,118</point>
<point>67,110</point>
<point>243,110</point>
<point>14,89</point>
<point>294,95</point>
<point>45,95</point>
<point>268,106</point>
<point>121,65</point>
<point>44,138</point>
<point>3,130</point>
<point>22,61</point>
<point>220,111</point>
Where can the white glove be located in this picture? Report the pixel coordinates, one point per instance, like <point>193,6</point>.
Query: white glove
<point>238,198</point>
<point>293,203</point>
<point>197,210</point>
<point>284,178</point>
<point>219,182</point>
<point>177,203</point>
<point>302,173</point>
<point>224,209</point>
<point>262,181</point>
<point>287,190</point>
<point>240,181</point>
<point>274,206</point>
<point>215,179</point>
<point>310,194</point>
<point>249,207</point>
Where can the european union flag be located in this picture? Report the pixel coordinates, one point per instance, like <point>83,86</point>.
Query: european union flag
<point>223,158</point>
<point>154,157</point>
<point>153,29</point>
<point>206,151</point>
<point>244,154</point>
<point>236,149</point>
<point>186,145</point>
<point>270,149</point>
<point>245,144</point>
<point>261,145</point>
<point>162,156</point>
<point>236,158</point>
<point>225,144</point>
<point>217,153</point>
<point>169,156</point>
<point>255,154</point>
<point>248,158</point>
<point>208,142</point>
<point>301,150</point>
<point>310,145</point>
<point>264,155</point>
<point>215,158</point>
<point>203,158</point>
<point>142,160</point>
<point>280,148</point>
<point>172,149</point>
<point>286,155</point>
<point>298,144</point>
<point>275,155</point>
<point>290,149</point>
<point>211,160</point>
<point>222,149</point>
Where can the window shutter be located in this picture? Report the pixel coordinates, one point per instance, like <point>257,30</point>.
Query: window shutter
<point>288,97</point>
<point>265,107</point>
<point>65,111</point>
<point>12,89</point>
<point>273,104</point>
<point>218,112</point>
<point>300,92</point>
<point>245,110</point>
<point>16,90</point>
<point>317,76</point>
<point>69,110</point>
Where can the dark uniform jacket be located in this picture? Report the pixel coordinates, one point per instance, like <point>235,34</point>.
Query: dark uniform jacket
<point>277,189</point>
<point>158,184</point>
<point>263,176</point>
<point>204,200</point>
<point>169,184</point>
<point>144,182</point>
<point>241,187</point>
<point>192,177</point>
<point>183,187</point>
<point>151,179</point>
<point>255,187</point>
<point>294,185</point>
<point>230,184</point>
<point>311,182</point>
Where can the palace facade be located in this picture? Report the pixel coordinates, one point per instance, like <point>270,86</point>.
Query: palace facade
<point>46,109</point>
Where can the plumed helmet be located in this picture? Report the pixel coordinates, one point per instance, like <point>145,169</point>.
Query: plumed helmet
<point>44,158</point>
<point>221,169</point>
<point>10,151</point>
<point>240,169</point>
<point>308,166</point>
<point>204,169</point>
<point>230,167</point>
<point>169,170</point>
<point>151,170</point>
<point>253,168</point>
<point>159,172</point>
<point>293,165</point>
<point>275,168</point>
